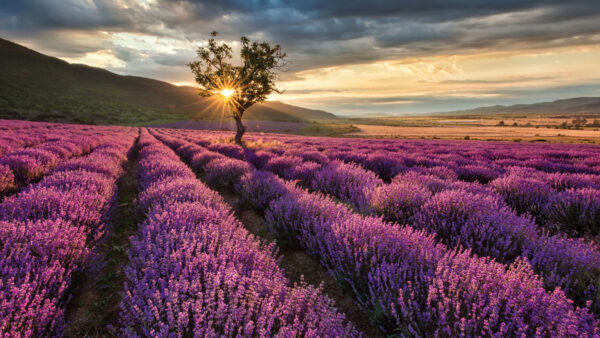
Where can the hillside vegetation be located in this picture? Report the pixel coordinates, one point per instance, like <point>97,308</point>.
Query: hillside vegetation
<point>576,105</point>
<point>34,86</point>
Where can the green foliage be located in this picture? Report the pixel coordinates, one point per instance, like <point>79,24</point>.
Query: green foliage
<point>327,129</point>
<point>34,86</point>
<point>253,80</point>
<point>579,121</point>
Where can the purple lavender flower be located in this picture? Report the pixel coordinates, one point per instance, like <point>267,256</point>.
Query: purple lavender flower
<point>480,173</point>
<point>397,202</point>
<point>348,182</point>
<point>524,194</point>
<point>225,172</point>
<point>7,178</point>
<point>194,270</point>
<point>47,233</point>
<point>229,150</point>
<point>259,188</point>
<point>575,211</point>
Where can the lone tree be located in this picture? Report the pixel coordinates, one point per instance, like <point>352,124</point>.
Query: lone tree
<point>243,85</point>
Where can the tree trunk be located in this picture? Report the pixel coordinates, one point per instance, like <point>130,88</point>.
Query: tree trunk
<point>241,129</point>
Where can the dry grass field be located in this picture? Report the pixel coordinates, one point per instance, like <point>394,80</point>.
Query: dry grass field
<point>534,128</point>
<point>541,134</point>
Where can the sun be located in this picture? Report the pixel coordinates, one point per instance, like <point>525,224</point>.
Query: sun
<point>227,92</point>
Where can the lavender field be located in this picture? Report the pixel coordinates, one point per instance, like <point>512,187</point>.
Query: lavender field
<point>396,237</point>
<point>229,125</point>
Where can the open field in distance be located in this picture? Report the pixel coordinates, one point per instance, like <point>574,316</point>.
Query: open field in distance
<point>481,133</point>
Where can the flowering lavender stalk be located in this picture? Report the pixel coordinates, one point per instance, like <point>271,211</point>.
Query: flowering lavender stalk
<point>17,135</point>
<point>31,163</point>
<point>259,188</point>
<point>399,201</point>
<point>575,211</point>
<point>350,183</point>
<point>7,178</point>
<point>488,227</point>
<point>524,194</point>
<point>565,181</point>
<point>194,269</point>
<point>225,172</point>
<point>393,271</point>
<point>482,173</point>
<point>282,165</point>
<point>47,233</point>
<point>408,294</point>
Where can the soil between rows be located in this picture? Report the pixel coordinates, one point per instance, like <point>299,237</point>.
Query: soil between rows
<point>299,266</point>
<point>94,308</point>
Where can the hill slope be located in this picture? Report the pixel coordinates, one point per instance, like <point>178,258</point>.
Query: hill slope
<point>300,112</point>
<point>39,87</point>
<point>578,105</point>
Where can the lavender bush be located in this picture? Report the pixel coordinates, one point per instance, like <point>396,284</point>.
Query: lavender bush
<point>47,234</point>
<point>331,232</point>
<point>576,211</point>
<point>194,270</point>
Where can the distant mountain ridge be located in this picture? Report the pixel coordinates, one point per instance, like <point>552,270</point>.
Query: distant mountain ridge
<point>577,105</point>
<point>40,87</point>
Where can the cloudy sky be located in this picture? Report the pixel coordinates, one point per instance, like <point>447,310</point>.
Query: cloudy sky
<point>346,56</point>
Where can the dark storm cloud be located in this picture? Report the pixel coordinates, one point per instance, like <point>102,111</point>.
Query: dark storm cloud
<point>314,33</point>
<point>321,33</point>
<point>31,15</point>
<point>181,57</point>
<point>125,54</point>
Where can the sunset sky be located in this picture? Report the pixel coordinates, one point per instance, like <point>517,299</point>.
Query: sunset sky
<point>347,57</point>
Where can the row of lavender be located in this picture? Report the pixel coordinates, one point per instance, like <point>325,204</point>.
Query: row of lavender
<point>16,134</point>
<point>408,282</point>
<point>48,232</point>
<point>26,125</point>
<point>458,213</point>
<point>194,270</point>
<point>572,158</point>
<point>37,155</point>
<point>557,184</point>
<point>13,138</point>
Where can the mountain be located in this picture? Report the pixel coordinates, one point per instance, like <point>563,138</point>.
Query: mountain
<point>35,86</point>
<point>300,112</point>
<point>578,105</point>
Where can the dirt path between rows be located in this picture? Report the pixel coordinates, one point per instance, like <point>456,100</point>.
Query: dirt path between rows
<point>299,266</point>
<point>95,304</point>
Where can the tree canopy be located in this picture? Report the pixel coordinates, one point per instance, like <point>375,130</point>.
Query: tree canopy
<point>241,85</point>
